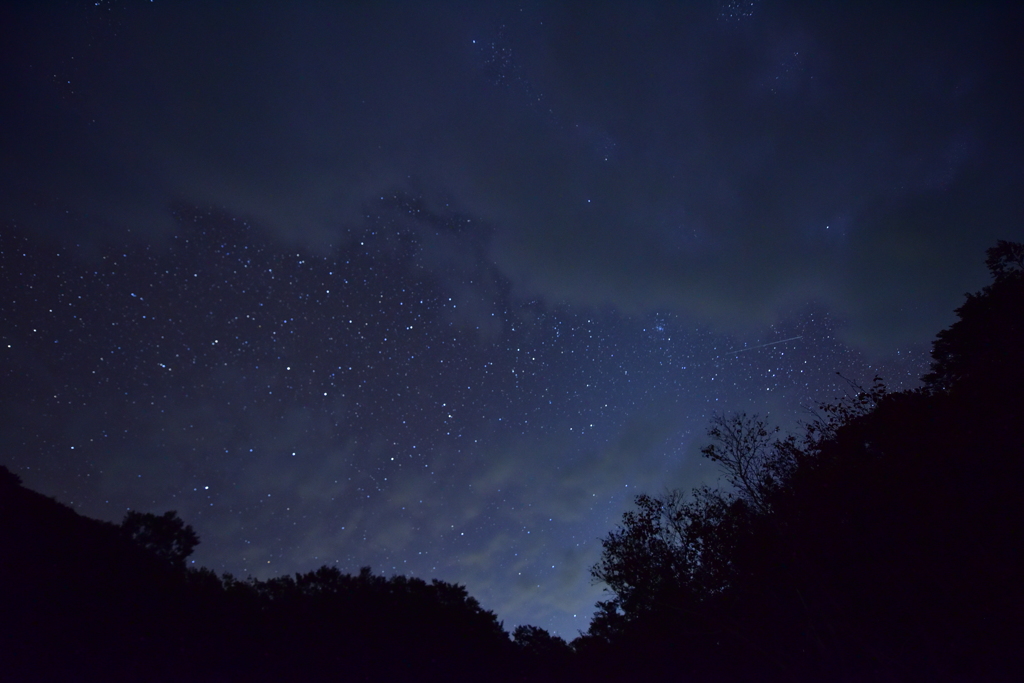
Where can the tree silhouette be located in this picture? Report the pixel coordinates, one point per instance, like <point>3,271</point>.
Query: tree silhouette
<point>1005,260</point>
<point>985,342</point>
<point>754,460</point>
<point>882,545</point>
<point>669,553</point>
<point>165,536</point>
<point>544,656</point>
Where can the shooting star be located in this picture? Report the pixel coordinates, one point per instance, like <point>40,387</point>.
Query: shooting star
<point>761,346</point>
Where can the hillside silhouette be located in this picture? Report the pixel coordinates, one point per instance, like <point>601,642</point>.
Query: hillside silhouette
<point>883,544</point>
<point>86,600</point>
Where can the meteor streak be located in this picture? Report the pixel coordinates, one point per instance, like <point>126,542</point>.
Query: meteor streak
<point>761,346</point>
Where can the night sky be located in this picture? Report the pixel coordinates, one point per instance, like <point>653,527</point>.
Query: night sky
<point>438,288</point>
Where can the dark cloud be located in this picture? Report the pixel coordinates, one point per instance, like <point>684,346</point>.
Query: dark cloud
<point>658,157</point>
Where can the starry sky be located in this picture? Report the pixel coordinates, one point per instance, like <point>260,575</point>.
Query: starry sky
<point>437,288</point>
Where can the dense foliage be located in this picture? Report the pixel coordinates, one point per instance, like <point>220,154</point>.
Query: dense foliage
<point>883,545</point>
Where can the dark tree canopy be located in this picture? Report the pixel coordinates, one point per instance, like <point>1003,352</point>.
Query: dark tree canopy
<point>882,545</point>
<point>166,536</point>
<point>984,344</point>
<point>1005,260</point>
